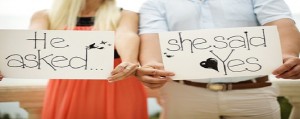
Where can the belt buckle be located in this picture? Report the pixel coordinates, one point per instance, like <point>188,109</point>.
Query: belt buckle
<point>216,87</point>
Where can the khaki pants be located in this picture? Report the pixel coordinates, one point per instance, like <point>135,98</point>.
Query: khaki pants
<point>189,102</point>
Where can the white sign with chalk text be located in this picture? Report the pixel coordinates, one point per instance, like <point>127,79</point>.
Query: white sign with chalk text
<point>56,54</point>
<point>227,52</point>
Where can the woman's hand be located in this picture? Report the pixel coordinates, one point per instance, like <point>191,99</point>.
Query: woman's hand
<point>122,71</point>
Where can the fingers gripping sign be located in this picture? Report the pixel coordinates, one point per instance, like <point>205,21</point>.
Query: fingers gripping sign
<point>290,68</point>
<point>1,76</point>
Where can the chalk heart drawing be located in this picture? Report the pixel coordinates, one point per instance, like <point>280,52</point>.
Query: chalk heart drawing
<point>210,63</point>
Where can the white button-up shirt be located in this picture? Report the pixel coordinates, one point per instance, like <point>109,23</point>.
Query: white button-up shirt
<point>177,15</point>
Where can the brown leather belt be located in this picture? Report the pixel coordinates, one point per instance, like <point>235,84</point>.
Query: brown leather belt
<point>249,84</point>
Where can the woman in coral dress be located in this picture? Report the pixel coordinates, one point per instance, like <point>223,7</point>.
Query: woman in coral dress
<point>90,99</point>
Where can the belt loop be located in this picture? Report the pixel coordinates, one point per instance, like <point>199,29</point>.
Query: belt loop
<point>254,80</point>
<point>181,81</point>
<point>229,87</point>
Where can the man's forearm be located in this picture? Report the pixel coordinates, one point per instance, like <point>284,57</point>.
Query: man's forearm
<point>289,36</point>
<point>150,49</point>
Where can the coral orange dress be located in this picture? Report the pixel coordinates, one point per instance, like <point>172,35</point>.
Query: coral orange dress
<point>95,99</point>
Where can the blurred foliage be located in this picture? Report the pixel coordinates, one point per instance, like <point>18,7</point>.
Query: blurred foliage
<point>155,116</point>
<point>4,116</point>
<point>285,107</point>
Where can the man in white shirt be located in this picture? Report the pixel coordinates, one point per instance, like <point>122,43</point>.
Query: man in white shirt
<point>234,98</point>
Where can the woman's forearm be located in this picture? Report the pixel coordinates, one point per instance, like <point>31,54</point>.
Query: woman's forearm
<point>127,39</point>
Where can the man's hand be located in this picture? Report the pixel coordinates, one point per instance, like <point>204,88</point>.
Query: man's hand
<point>122,71</point>
<point>290,68</point>
<point>153,75</point>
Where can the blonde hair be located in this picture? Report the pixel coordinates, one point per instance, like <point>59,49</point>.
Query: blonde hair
<point>64,14</point>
